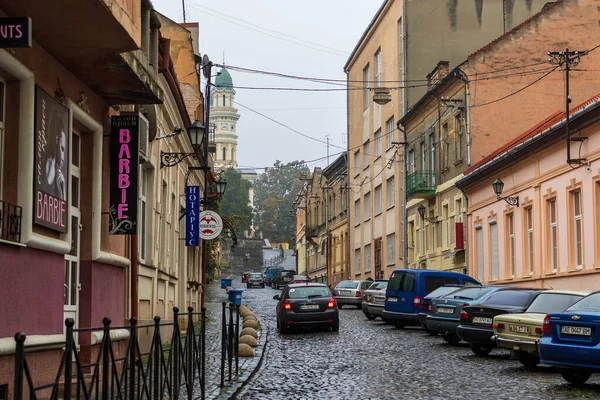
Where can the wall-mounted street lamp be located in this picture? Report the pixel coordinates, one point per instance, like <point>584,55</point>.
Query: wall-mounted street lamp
<point>421,210</point>
<point>197,131</point>
<point>498,186</point>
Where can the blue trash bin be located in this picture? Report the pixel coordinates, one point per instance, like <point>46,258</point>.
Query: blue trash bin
<point>225,282</point>
<point>235,297</point>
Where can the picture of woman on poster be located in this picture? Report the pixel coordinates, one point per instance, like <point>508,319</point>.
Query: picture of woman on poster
<point>56,163</point>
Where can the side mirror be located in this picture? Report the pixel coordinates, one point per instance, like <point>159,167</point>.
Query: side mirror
<point>276,297</point>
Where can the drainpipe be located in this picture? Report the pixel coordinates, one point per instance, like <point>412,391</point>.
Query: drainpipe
<point>404,202</point>
<point>348,224</point>
<point>467,233</point>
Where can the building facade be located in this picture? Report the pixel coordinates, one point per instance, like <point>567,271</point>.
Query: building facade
<point>549,237</point>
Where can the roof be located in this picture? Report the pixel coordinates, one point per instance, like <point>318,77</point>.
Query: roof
<point>224,80</point>
<point>547,7</point>
<point>339,163</point>
<point>365,33</point>
<point>528,138</point>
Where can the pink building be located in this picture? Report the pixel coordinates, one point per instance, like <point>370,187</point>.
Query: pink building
<point>550,235</point>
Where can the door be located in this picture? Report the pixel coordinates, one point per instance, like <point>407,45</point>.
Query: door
<point>72,261</point>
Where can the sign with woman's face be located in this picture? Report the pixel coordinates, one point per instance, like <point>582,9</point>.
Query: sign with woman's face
<point>51,162</point>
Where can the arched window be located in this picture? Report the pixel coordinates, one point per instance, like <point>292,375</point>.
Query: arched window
<point>232,154</point>
<point>224,153</point>
<point>223,100</point>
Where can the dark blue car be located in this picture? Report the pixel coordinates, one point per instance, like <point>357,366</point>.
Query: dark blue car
<point>571,340</point>
<point>407,288</point>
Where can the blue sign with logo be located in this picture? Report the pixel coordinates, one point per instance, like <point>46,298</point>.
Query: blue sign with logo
<point>192,211</point>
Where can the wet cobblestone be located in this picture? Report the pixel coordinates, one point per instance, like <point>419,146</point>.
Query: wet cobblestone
<point>371,360</point>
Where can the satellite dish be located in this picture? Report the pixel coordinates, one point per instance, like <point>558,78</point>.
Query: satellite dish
<point>205,66</point>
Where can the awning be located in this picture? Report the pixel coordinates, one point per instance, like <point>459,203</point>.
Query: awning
<point>454,253</point>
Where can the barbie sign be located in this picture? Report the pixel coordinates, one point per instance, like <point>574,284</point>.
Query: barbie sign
<point>124,175</point>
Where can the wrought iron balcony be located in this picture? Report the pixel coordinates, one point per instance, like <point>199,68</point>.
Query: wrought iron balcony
<point>10,222</point>
<point>420,183</point>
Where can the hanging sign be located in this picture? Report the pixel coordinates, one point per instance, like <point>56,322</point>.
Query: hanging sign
<point>124,148</point>
<point>211,225</point>
<point>192,214</point>
<point>15,32</point>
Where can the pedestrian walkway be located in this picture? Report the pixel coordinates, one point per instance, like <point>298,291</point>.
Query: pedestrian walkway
<point>215,296</point>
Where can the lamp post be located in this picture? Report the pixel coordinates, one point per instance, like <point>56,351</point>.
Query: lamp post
<point>207,70</point>
<point>498,187</point>
<point>421,210</point>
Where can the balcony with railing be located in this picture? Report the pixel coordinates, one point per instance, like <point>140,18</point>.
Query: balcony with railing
<point>10,222</point>
<point>420,183</point>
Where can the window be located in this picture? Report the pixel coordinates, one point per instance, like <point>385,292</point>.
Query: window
<point>367,206</point>
<point>510,243</point>
<point>366,77</point>
<point>411,162</point>
<point>223,100</point>
<point>378,200</point>
<point>391,194</point>
<point>446,140</point>
<point>378,68</point>
<point>529,239</point>
<point>423,156</point>
<point>432,151</point>
<point>378,143</point>
<point>424,241</point>
<point>356,162</point>
<point>390,242</point>
<point>224,156</point>
<point>446,219</point>
<point>366,150</point>
<point>401,58</point>
<point>458,138</point>
<point>479,245</point>
<point>431,233</point>
<point>357,261</point>
<point>142,215</point>
<point>357,211</point>
<point>434,282</point>
<point>458,210</point>
<point>494,248</point>
<point>368,258</point>
<point>390,132</point>
<point>553,234</point>
<point>577,228</point>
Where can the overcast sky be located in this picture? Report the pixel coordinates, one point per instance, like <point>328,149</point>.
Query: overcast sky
<point>310,38</point>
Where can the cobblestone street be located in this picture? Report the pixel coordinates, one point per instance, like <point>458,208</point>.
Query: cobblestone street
<point>371,360</point>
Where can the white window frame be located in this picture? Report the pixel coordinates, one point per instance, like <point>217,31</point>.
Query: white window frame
<point>367,206</point>
<point>494,245</point>
<point>479,245</point>
<point>378,68</point>
<point>446,217</point>
<point>366,82</point>
<point>577,228</point>
<point>530,243</point>
<point>390,132</point>
<point>390,241</point>
<point>553,234</point>
<point>368,258</point>
<point>357,212</point>
<point>391,194</point>
<point>458,210</point>
<point>378,200</point>
<point>378,144</point>
<point>510,219</point>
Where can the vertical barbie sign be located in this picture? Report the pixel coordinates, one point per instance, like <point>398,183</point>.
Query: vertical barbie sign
<point>124,149</point>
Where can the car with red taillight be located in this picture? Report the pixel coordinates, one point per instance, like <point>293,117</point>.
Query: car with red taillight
<point>373,299</point>
<point>445,312</point>
<point>425,306</point>
<point>300,279</point>
<point>407,288</point>
<point>476,321</point>
<point>521,333</point>
<point>350,292</point>
<point>255,279</point>
<point>303,305</point>
<point>571,340</point>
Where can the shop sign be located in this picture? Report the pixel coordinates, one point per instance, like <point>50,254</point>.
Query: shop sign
<point>15,32</point>
<point>192,214</point>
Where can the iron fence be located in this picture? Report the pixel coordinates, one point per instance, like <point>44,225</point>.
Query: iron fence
<point>230,333</point>
<point>170,369</point>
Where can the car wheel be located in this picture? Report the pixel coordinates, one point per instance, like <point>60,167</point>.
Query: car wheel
<point>335,328</point>
<point>399,325</point>
<point>575,377</point>
<point>451,339</point>
<point>529,360</point>
<point>481,351</point>
<point>370,317</point>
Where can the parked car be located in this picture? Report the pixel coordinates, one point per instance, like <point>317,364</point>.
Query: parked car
<point>282,278</point>
<point>350,292</point>
<point>373,299</point>
<point>406,289</point>
<point>445,312</point>
<point>571,340</point>
<point>300,279</point>
<point>522,332</point>
<point>476,320</point>
<point>425,309</point>
<point>255,279</point>
<point>270,274</point>
<point>306,305</point>
<point>246,275</point>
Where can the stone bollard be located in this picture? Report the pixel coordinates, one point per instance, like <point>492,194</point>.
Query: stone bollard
<point>245,350</point>
<point>246,313</point>
<point>250,318</point>
<point>249,340</point>
<point>250,324</point>
<point>249,331</point>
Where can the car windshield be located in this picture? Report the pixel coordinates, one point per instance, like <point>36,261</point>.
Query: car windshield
<point>508,298</point>
<point>347,285</point>
<point>300,278</point>
<point>590,303</point>
<point>257,275</point>
<point>470,293</point>
<point>552,302</point>
<point>308,291</point>
<point>441,291</point>
<point>378,286</point>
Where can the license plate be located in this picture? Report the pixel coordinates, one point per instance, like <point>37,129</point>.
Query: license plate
<point>345,292</point>
<point>576,330</point>
<point>443,310</point>
<point>309,307</point>
<point>393,299</point>
<point>482,320</point>
<point>519,328</point>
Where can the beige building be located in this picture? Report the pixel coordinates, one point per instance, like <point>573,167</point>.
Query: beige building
<point>404,40</point>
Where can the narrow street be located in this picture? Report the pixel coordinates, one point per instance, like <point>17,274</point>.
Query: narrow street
<point>371,360</point>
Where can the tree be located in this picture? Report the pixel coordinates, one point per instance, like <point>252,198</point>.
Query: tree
<point>274,195</point>
<point>235,201</point>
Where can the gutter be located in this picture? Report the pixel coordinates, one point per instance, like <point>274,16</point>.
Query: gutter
<point>167,68</point>
<point>348,207</point>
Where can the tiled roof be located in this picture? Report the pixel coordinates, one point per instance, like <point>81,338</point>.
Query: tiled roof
<point>549,6</point>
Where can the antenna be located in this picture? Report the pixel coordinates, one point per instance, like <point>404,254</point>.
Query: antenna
<point>183,6</point>
<point>327,138</point>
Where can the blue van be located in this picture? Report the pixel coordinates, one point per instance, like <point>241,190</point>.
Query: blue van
<point>407,288</point>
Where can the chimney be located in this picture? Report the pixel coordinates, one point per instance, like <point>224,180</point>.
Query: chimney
<point>439,72</point>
